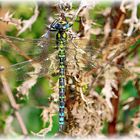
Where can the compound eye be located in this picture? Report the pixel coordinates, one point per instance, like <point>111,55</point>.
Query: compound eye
<point>57,26</point>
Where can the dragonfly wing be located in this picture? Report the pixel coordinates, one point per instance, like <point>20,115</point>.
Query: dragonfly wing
<point>27,48</point>
<point>25,65</point>
<point>30,68</point>
<point>84,56</point>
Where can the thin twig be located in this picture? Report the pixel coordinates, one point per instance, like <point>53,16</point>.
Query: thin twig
<point>117,28</point>
<point>133,104</point>
<point>115,103</point>
<point>14,105</point>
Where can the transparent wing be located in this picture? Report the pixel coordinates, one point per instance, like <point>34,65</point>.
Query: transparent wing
<point>27,69</point>
<point>88,55</point>
<point>26,55</point>
<point>40,56</point>
<point>28,48</point>
<point>47,63</point>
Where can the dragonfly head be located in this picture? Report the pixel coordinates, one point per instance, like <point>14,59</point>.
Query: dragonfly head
<point>60,26</point>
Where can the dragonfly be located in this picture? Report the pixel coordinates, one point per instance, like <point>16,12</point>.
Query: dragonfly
<point>52,55</point>
<point>41,53</point>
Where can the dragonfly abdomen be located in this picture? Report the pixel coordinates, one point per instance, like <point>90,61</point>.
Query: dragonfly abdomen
<point>61,38</point>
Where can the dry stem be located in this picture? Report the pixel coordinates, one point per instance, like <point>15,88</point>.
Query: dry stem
<point>13,104</point>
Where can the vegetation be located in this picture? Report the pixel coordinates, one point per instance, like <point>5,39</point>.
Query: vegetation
<point>103,59</point>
